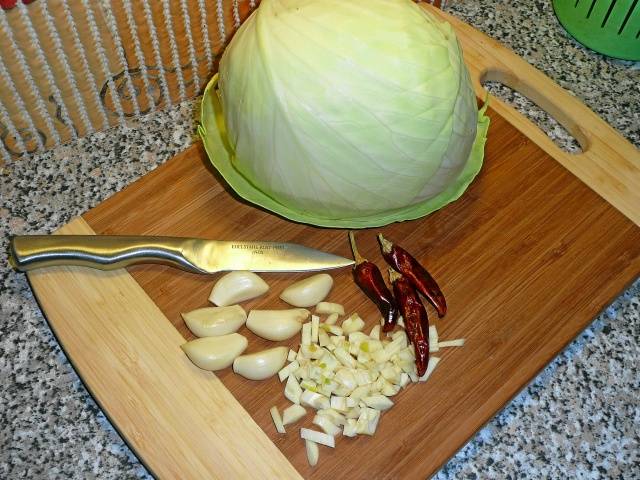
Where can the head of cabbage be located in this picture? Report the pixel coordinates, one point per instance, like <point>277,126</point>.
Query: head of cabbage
<point>344,113</point>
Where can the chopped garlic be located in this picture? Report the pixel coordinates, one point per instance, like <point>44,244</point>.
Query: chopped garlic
<point>406,355</point>
<point>367,421</point>
<point>431,366</point>
<point>358,337</point>
<point>380,356</point>
<point>323,338</point>
<point>408,367</point>
<point>311,351</point>
<point>332,319</point>
<point>328,387</point>
<point>317,437</point>
<point>360,392</point>
<point>395,346</point>
<point>326,424</point>
<point>458,342</point>
<point>344,357</point>
<point>335,416</point>
<point>350,428</point>
<point>329,362</point>
<point>302,372</point>
<point>364,377</point>
<point>375,332</point>
<point>292,414</point>
<point>308,384</point>
<point>277,420</point>
<point>313,453</point>
<point>352,324</point>
<point>291,356</point>
<point>389,389</point>
<point>306,334</point>
<point>433,339</point>
<point>363,357</point>
<point>339,403</point>
<point>379,402</point>
<point>314,400</point>
<point>345,377</point>
<point>341,391</point>
<point>353,412</point>
<point>391,374</point>
<point>400,334</point>
<point>332,329</point>
<point>328,308</point>
<point>288,370</point>
<point>292,390</point>
<point>315,323</point>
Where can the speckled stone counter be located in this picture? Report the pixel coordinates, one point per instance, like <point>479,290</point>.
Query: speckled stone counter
<point>580,418</point>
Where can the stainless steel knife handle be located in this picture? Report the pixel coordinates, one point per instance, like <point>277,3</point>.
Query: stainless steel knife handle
<point>102,252</point>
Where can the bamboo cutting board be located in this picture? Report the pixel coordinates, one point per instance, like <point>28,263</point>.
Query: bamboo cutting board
<point>531,253</point>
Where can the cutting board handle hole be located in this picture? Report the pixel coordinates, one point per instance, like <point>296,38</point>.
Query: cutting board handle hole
<point>533,104</point>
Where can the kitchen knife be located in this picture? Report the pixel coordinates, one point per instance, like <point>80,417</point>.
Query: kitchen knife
<point>110,252</point>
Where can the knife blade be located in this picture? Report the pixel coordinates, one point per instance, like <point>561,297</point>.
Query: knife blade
<point>109,252</point>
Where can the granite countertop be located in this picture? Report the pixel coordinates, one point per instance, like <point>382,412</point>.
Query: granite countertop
<point>580,418</point>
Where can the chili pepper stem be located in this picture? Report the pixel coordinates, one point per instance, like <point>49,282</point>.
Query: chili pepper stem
<point>356,255</point>
<point>385,244</point>
<point>393,275</point>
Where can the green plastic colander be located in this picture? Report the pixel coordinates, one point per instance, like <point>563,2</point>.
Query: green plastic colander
<point>611,27</point>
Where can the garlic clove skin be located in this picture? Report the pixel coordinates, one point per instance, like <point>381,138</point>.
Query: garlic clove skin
<point>215,321</point>
<point>309,291</point>
<point>261,365</point>
<point>236,287</point>
<point>277,325</point>
<point>215,353</point>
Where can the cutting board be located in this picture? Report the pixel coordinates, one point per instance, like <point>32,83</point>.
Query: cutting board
<point>530,254</point>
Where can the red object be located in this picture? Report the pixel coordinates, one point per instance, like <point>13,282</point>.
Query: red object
<point>415,318</point>
<point>9,4</point>
<point>405,263</point>
<point>368,277</point>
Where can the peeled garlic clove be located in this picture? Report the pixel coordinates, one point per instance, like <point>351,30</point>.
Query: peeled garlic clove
<point>276,325</point>
<point>215,321</point>
<point>309,291</point>
<point>215,353</point>
<point>261,365</point>
<point>236,287</point>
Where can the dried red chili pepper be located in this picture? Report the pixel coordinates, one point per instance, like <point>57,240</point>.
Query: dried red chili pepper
<point>368,277</point>
<point>415,318</point>
<point>405,263</point>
